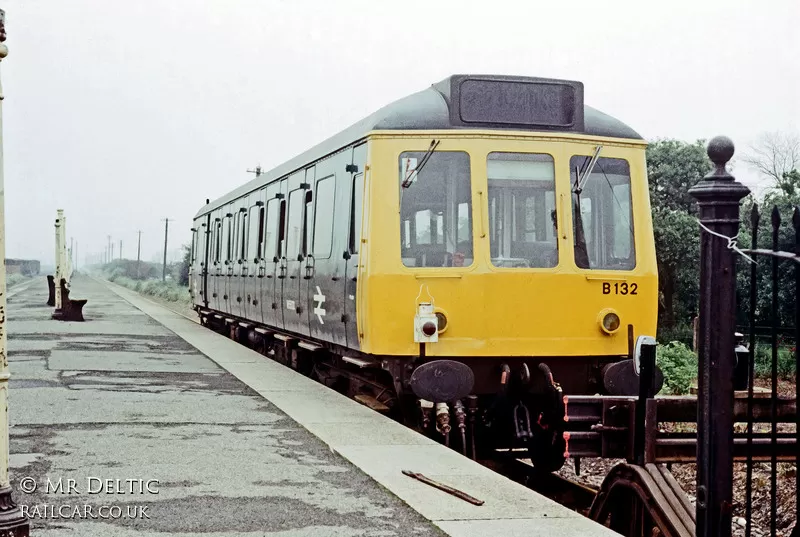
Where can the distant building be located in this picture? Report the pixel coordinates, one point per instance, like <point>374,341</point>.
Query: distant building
<point>26,267</point>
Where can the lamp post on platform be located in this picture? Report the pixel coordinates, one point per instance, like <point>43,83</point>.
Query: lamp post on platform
<point>12,521</point>
<point>166,235</point>
<point>60,256</point>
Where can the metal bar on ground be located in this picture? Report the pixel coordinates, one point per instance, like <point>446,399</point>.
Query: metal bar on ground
<point>450,490</point>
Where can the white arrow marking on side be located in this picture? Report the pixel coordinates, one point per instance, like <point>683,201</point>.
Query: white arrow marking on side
<point>319,298</point>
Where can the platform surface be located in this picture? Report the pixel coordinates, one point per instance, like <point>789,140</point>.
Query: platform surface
<point>239,445</point>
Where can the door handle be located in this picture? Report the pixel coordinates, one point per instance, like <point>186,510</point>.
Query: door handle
<point>310,268</point>
<point>482,214</point>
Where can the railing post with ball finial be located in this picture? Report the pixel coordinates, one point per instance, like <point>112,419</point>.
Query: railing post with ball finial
<point>718,195</point>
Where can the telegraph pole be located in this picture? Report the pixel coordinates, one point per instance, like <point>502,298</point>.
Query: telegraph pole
<point>112,252</point>
<point>120,249</point>
<point>12,522</point>
<point>166,234</point>
<point>108,251</point>
<point>257,171</point>
<point>139,256</point>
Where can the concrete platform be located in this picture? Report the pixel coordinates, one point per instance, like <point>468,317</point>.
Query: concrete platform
<point>240,445</point>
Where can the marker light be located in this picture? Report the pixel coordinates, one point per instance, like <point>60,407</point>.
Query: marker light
<point>429,328</point>
<point>442,321</point>
<point>609,321</point>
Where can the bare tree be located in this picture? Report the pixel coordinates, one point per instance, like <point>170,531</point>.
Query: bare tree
<point>775,156</point>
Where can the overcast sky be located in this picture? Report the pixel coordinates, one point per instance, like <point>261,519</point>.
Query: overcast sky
<point>124,113</point>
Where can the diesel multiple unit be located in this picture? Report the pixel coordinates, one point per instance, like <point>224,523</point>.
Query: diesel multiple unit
<point>466,255</point>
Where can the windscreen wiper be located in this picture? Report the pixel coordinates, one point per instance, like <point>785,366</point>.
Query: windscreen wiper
<point>581,178</point>
<point>407,181</point>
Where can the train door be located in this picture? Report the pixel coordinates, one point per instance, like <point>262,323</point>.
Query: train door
<point>351,255</point>
<point>233,271</point>
<point>293,260</point>
<point>239,267</point>
<point>204,257</point>
<point>218,277</point>
<point>326,289</point>
<point>194,276</point>
<point>227,256</point>
<point>253,256</point>
<point>269,266</point>
<point>309,261</point>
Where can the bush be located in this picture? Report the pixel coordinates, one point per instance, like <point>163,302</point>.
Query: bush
<point>679,365</point>
<point>682,333</point>
<point>763,366</point>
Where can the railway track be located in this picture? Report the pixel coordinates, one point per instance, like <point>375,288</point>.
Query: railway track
<point>569,493</point>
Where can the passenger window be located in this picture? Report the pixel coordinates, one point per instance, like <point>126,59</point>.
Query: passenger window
<point>193,252</point>
<point>309,223</point>
<point>282,230</point>
<point>243,226</point>
<point>217,241</point>
<point>356,212</point>
<point>226,223</point>
<point>602,215</point>
<point>253,234</point>
<point>261,217</point>
<point>295,223</point>
<point>271,228</point>
<point>522,213</point>
<point>234,235</point>
<point>435,208</point>
<point>323,223</point>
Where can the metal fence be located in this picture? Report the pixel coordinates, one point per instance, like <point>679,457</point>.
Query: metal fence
<point>768,438</point>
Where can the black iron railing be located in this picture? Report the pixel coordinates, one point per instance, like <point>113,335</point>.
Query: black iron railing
<point>778,260</point>
<point>718,198</point>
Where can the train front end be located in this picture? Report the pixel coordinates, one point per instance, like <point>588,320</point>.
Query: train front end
<point>530,250</point>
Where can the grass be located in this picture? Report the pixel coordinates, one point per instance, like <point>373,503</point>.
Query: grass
<point>15,279</point>
<point>169,291</point>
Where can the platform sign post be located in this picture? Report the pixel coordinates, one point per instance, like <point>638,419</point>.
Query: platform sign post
<point>12,521</point>
<point>64,263</point>
<point>59,257</point>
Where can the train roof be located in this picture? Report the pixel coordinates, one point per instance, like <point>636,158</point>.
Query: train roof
<point>465,102</point>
